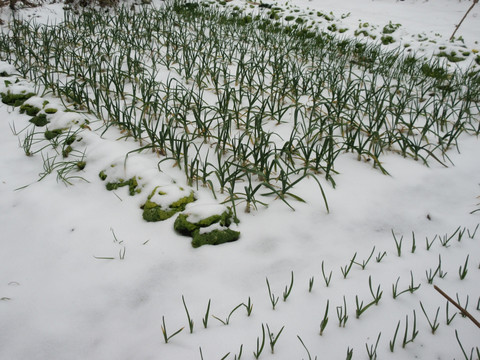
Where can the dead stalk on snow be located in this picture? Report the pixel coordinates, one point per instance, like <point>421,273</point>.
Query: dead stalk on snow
<point>464,16</point>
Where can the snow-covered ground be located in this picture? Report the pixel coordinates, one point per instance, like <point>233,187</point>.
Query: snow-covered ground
<point>83,276</point>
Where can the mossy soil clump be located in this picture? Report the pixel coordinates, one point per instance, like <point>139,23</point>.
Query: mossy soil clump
<point>187,228</point>
<point>132,183</point>
<point>29,109</point>
<point>214,237</point>
<point>210,230</point>
<point>52,134</point>
<point>39,120</point>
<point>153,211</point>
<point>16,99</point>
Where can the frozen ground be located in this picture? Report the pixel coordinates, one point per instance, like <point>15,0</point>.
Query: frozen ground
<point>61,298</point>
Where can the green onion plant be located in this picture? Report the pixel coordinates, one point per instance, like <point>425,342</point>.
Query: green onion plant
<point>410,338</point>
<point>435,324</point>
<point>167,337</point>
<point>372,349</point>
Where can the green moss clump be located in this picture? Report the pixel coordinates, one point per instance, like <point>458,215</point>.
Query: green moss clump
<point>452,57</point>
<point>325,16</point>
<point>15,99</point>
<point>154,212</point>
<point>50,111</point>
<point>29,109</point>
<point>386,40</point>
<point>81,165</point>
<point>183,226</point>
<point>102,175</point>
<point>131,183</point>
<point>390,28</point>
<point>274,15</point>
<point>265,6</point>
<point>70,140</point>
<point>361,32</point>
<point>39,120</point>
<point>52,134</point>
<point>187,228</point>
<point>299,20</point>
<point>157,214</point>
<point>181,203</point>
<point>215,237</point>
<point>332,28</point>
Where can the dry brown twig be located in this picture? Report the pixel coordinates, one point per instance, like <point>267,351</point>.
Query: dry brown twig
<point>462,310</point>
<point>464,16</point>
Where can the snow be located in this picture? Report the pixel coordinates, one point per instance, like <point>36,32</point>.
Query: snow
<point>211,228</point>
<point>66,292</point>
<point>197,212</point>
<point>7,68</point>
<point>168,194</point>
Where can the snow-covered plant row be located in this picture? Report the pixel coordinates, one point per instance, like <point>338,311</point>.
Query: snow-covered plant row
<point>246,105</point>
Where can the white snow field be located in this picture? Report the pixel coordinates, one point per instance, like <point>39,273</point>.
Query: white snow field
<point>84,276</point>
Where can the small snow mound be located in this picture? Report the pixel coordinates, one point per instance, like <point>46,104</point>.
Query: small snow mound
<point>165,195</point>
<point>208,229</point>
<point>6,68</point>
<point>197,212</point>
